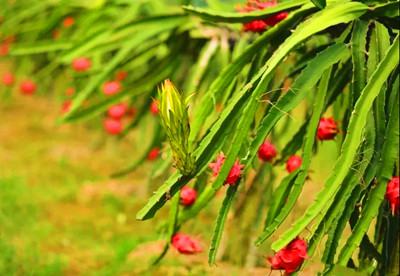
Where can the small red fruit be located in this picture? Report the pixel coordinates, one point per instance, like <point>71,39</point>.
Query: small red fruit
<point>112,87</point>
<point>153,154</point>
<point>4,49</point>
<point>234,173</point>
<point>327,129</point>
<point>11,39</point>
<point>117,111</point>
<point>154,107</point>
<point>291,257</point>
<point>66,106</point>
<point>132,111</point>
<point>112,126</point>
<point>188,196</point>
<point>267,152</point>
<point>68,22</point>
<point>393,194</point>
<point>28,87</point>
<point>70,91</point>
<point>81,64</point>
<point>185,244</point>
<point>121,75</point>
<point>293,163</point>
<point>258,26</point>
<point>8,79</point>
<point>56,33</point>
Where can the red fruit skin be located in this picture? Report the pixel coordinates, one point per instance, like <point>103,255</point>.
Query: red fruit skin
<point>327,129</point>
<point>153,154</point>
<point>8,79</point>
<point>4,49</point>
<point>185,244</point>
<point>291,257</point>
<point>68,22</point>
<point>66,106</point>
<point>112,87</point>
<point>393,194</point>
<point>10,39</point>
<point>117,111</point>
<point>234,173</point>
<point>56,33</point>
<point>121,75</point>
<point>70,91</point>
<point>112,126</point>
<point>187,196</point>
<point>28,87</point>
<point>293,163</point>
<point>267,152</point>
<point>81,64</point>
<point>259,26</point>
<point>132,111</point>
<point>154,108</point>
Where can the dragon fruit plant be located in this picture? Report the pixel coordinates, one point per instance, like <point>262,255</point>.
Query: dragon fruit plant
<point>229,75</point>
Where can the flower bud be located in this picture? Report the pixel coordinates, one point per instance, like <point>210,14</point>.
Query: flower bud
<point>174,119</point>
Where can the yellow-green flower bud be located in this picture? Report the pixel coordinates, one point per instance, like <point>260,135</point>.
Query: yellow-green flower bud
<point>174,119</point>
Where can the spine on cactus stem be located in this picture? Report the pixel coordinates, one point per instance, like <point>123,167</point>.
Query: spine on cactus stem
<point>174,120</point>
